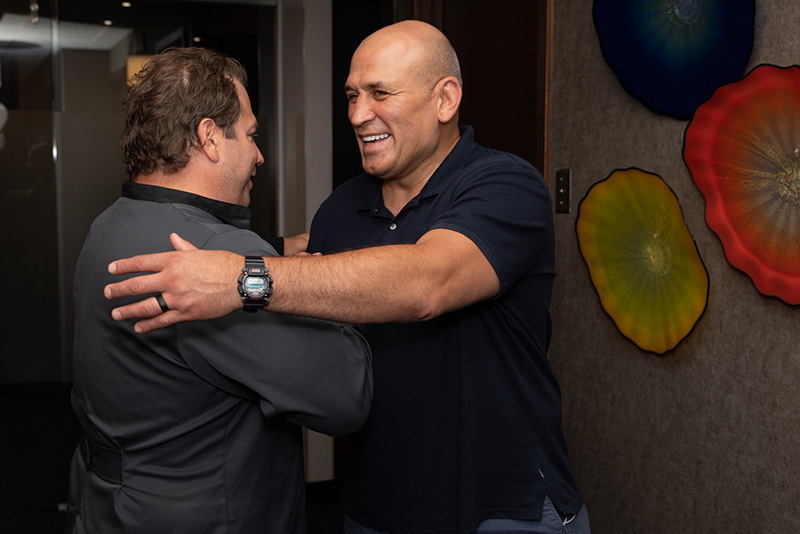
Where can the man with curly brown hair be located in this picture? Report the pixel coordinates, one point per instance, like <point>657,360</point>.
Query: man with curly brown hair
<point>197,428</point>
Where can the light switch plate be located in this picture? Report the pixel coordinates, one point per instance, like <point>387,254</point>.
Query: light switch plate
<point>563,179</point>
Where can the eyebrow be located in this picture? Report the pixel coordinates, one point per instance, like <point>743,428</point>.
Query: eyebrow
<point>373,85</point>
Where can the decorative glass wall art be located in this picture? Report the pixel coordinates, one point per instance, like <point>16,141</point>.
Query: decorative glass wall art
<point>673,54</point>
<point>642,259</point>
<point>742,149</point>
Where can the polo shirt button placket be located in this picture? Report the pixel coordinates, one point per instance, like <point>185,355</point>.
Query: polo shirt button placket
<point>392,226</point>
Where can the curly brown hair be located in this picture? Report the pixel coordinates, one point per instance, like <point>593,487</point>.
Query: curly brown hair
<point>168,98</point>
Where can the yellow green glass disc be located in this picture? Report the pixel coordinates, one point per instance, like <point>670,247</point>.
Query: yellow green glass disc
<point>642,259</point>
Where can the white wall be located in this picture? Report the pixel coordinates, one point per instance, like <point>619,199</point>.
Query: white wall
<point>305,158</point>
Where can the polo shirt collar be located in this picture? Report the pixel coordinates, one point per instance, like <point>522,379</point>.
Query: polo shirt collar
<point>232,214</point>
<point>372,199</point>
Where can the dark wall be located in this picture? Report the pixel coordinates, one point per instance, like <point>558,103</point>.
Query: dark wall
<point>352,22</point>
<point>497,49</point>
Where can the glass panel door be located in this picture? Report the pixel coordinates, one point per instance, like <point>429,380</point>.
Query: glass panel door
<point>63,74</point>
<point>30,317</point>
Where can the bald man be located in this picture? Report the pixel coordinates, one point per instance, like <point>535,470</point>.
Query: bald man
<point>444,252</point>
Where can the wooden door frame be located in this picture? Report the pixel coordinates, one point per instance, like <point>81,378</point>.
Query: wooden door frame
<point>432,11</point>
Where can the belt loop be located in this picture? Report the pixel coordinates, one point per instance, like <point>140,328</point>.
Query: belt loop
<point>107,463</point>
<point>83,443</point>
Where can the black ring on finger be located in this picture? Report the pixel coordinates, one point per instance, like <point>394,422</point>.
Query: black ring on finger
<point>162,303</point>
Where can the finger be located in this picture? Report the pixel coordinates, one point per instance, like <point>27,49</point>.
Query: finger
<point>178,243</point>
<point>149,309</point>
<point>160,321</point>
<point>143,309</point>
<point>147,263</point>
<point>138,285</point>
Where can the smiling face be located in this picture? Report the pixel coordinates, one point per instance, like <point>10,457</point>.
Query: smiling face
<point>393,107</point>
<point>240,154</point>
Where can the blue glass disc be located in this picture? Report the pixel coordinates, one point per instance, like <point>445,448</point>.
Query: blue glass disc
<point>673,54</point>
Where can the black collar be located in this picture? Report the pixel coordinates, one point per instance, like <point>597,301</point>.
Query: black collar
<point>232,214</point>
<point>371,197</point>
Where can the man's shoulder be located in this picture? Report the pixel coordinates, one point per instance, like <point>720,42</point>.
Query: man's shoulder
<point>493,170</point>
<point>220,235</point>
<point>245,242</point>
<point>481,158</point>
<point>471,156</point>
<point>202,228</point>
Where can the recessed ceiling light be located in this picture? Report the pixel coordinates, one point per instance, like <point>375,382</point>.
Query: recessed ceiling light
<point>107,23</point>
<point>126,4</point>
<point>196,39</point>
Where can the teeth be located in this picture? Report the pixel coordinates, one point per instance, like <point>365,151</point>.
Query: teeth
<point>370,138</point>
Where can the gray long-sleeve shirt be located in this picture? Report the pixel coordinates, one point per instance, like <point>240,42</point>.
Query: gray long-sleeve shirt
<point>194,428</point>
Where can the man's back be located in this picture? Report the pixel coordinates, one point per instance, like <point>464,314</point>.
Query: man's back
<point>194,428</point>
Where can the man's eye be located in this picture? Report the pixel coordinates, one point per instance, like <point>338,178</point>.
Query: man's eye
<point>352,98</point>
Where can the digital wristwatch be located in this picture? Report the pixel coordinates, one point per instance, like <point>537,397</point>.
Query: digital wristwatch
<point>255,284</point>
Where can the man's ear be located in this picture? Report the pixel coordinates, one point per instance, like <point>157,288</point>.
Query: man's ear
<point>208,135</point>
<point>449,98</point>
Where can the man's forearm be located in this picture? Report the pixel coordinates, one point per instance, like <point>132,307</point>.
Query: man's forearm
<point>442,272</point>
<point>395,283</point>
<point>352,287</point>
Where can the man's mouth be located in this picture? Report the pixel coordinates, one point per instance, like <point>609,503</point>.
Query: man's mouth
<point>372,138</point>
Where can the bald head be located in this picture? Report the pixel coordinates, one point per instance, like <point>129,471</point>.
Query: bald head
<point>434,56</point>
<point>403,93</point>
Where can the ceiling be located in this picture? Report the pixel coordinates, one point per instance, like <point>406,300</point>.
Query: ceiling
<point>103,24</point>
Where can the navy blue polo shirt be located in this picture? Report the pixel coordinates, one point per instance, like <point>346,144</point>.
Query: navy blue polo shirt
<point>466,415</point>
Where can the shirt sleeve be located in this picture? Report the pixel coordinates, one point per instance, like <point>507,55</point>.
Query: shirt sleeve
<point>314,373</point>
<point>503,205</point>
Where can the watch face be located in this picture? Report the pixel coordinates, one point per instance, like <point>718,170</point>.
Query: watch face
<point>255,286</point>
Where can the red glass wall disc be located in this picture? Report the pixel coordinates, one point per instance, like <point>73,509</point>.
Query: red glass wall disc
<point>742,149</point>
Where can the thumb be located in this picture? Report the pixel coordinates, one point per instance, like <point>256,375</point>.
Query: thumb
<point>178,243</point>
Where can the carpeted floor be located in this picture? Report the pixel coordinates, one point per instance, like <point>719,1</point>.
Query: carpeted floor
<point>39,435</point>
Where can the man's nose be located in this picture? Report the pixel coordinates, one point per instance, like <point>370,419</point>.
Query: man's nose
<point>360,112</point>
